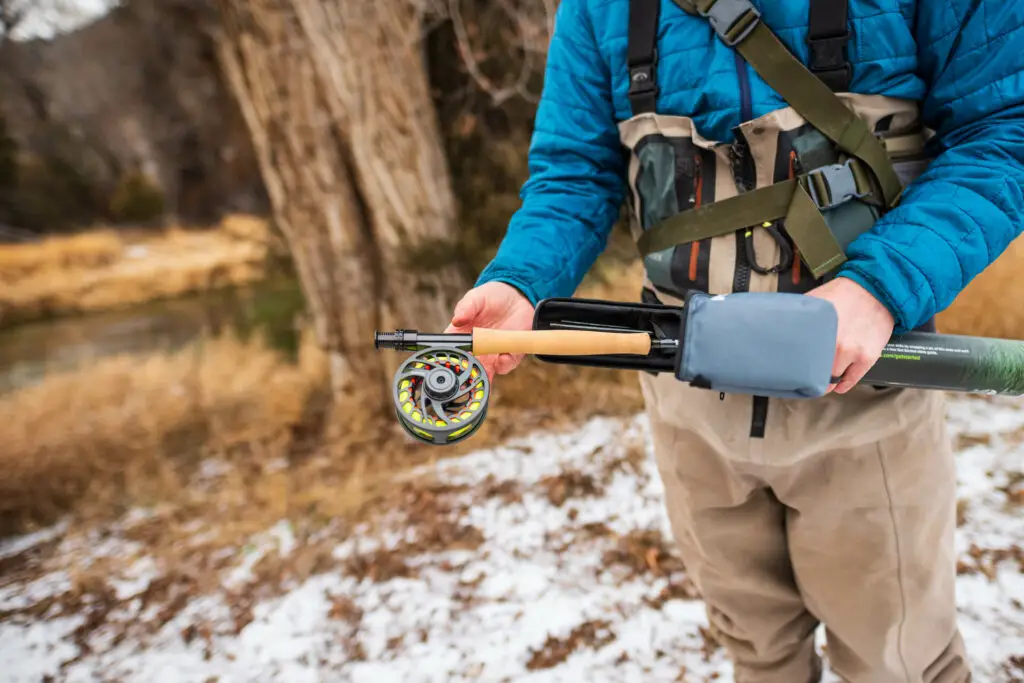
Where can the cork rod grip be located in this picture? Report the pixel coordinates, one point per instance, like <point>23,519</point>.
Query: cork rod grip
<point>559,342</point>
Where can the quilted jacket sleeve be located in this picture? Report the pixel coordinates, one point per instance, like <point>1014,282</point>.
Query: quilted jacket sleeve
<point>957,218</point>
<point>571,201</point>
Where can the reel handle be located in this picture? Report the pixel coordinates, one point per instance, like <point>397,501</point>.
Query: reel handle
<point>559,342</point>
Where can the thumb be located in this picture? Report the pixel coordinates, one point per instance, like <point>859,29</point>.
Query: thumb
<point>468,308</point>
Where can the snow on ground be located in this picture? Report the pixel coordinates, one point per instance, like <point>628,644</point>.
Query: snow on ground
<point>542,560</point>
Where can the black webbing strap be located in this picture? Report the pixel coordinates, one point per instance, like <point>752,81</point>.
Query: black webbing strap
<point>642,55</point>
<point>827,36</point>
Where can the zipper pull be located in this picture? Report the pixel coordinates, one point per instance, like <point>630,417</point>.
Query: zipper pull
<point>738,152</point>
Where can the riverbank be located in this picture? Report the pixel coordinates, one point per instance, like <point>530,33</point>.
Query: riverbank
<point>106,269</point>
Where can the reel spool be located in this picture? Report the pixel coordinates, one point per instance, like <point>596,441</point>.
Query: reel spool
<point>441,395</point>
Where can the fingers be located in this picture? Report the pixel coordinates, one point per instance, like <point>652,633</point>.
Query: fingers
<point>500,364</point>
<point>839,366</point>
<point>854,373</point>
<point>507,362</point>
<point>851,364</point>
<point>489,363</point>
<point>496,305</point>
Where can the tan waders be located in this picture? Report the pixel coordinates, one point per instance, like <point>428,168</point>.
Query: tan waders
<point>791,513</point>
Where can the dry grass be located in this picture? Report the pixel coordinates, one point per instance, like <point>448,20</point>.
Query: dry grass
<point>84,251</point>
<point>104,269</point>
<point>136,424</point>
<point>990,305</point>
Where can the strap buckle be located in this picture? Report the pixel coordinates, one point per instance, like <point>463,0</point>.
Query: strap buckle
<point>733,20</point>
<point>827,53</point>
<point>641,78</point>
<point>827,60</point>
<point>830,186</point>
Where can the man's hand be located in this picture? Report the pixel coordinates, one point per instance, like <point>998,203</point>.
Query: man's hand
<point>865,327</point>
<point>495,305</point>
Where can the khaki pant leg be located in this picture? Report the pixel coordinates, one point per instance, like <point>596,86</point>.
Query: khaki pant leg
<point>871,536</point>
<point>731,534</point>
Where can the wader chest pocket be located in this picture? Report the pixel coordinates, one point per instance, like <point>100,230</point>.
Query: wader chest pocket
<point>673,175</point>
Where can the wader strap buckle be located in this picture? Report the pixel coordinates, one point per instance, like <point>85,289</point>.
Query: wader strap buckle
<point>828,62</point>
<point>733,20</point>
<point>827,53</point>
<point>641,78</point>
<point>830,186</point>
<point>642,55</point>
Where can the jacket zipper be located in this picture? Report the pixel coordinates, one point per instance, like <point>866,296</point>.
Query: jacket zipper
<point>741,280</point>
<point>746,108</point>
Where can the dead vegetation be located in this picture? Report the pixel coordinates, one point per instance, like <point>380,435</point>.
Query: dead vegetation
<point>87,250</point>
<point>139,425</point>
<point>570,484</point>
<point>106,269</point>
<point>1014,668</point>
<point>988,305</point>
<point>644,552</point>
<point>986,561</point>
<point>593,634</point>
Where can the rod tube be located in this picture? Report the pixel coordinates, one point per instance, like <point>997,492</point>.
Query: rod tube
<point>948,362</point>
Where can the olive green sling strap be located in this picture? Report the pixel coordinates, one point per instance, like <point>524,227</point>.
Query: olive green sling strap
<point>868,173</point>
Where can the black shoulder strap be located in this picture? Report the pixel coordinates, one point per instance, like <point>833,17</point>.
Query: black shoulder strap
<point>642,55</point>
<point>827,36</point>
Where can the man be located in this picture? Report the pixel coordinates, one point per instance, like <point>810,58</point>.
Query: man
<point>788,513</point>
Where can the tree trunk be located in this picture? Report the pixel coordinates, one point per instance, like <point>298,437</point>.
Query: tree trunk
<point>336,97</point>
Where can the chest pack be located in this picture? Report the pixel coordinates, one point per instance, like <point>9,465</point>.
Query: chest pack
<point>775,209</point>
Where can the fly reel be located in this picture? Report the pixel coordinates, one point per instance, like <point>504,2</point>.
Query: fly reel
<point>441,395</point>
<point>441,392</point>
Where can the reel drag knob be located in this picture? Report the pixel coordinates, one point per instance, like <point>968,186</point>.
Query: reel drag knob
<point>441,395</point>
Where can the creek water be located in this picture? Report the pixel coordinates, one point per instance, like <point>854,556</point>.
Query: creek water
<point>31,350</point>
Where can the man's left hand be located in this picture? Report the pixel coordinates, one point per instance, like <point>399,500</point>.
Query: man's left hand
<point>865,327</point>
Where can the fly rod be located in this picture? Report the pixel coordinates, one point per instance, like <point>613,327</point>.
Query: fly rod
<point>762,344</point>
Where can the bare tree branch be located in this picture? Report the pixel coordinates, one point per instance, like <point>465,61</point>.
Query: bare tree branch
<point>534,23</point>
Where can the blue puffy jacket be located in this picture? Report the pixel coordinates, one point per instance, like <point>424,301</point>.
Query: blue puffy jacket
<point>963,59</point>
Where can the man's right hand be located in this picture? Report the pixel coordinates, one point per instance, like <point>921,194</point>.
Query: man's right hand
<point>494,305</point>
